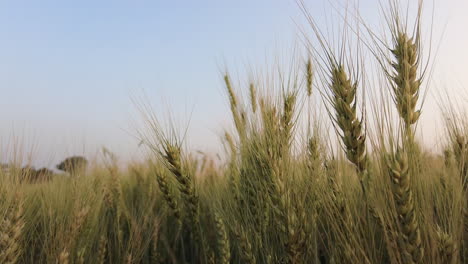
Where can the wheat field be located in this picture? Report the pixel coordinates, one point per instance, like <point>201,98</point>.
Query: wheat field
<point>285,192</point>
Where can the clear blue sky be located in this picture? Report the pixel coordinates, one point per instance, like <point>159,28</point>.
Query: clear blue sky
<point>69,68</point>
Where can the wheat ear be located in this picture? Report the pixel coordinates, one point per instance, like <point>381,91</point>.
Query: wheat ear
<point>405,82</point>
<point>64,257</point>
<point>224,250</point>
<point>10,233</point>
<point>186,185</point>
<point>344,102</point>
<point>411,246</point>
<point>447,247</point>
<point>169,197</point>
<point>238,116</point>
<point>309,77</point>
<point>246,248</point>
<point>253,97</point>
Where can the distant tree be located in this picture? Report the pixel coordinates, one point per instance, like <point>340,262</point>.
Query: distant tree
<point>4,167</point>
<point>27,173</point>
<point>31,175</point>
<point>43,174</point>
<point>73,165</point>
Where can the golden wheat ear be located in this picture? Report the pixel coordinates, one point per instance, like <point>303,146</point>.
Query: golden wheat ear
<point>309,77</point>
<point>410,235</point>
<point>253,97</point>
<point>224,250</point>
<point>102,250</point>
<point>353,136</point>
<point>406,84</point>
<point>11,230</point>
<point>168,195</point>
<point>236,110</point>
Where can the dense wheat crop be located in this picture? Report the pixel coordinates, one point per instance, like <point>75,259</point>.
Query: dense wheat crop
<point>281,195</point>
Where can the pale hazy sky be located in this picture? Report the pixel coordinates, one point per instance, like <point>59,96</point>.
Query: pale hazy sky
<point>68,69</point>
